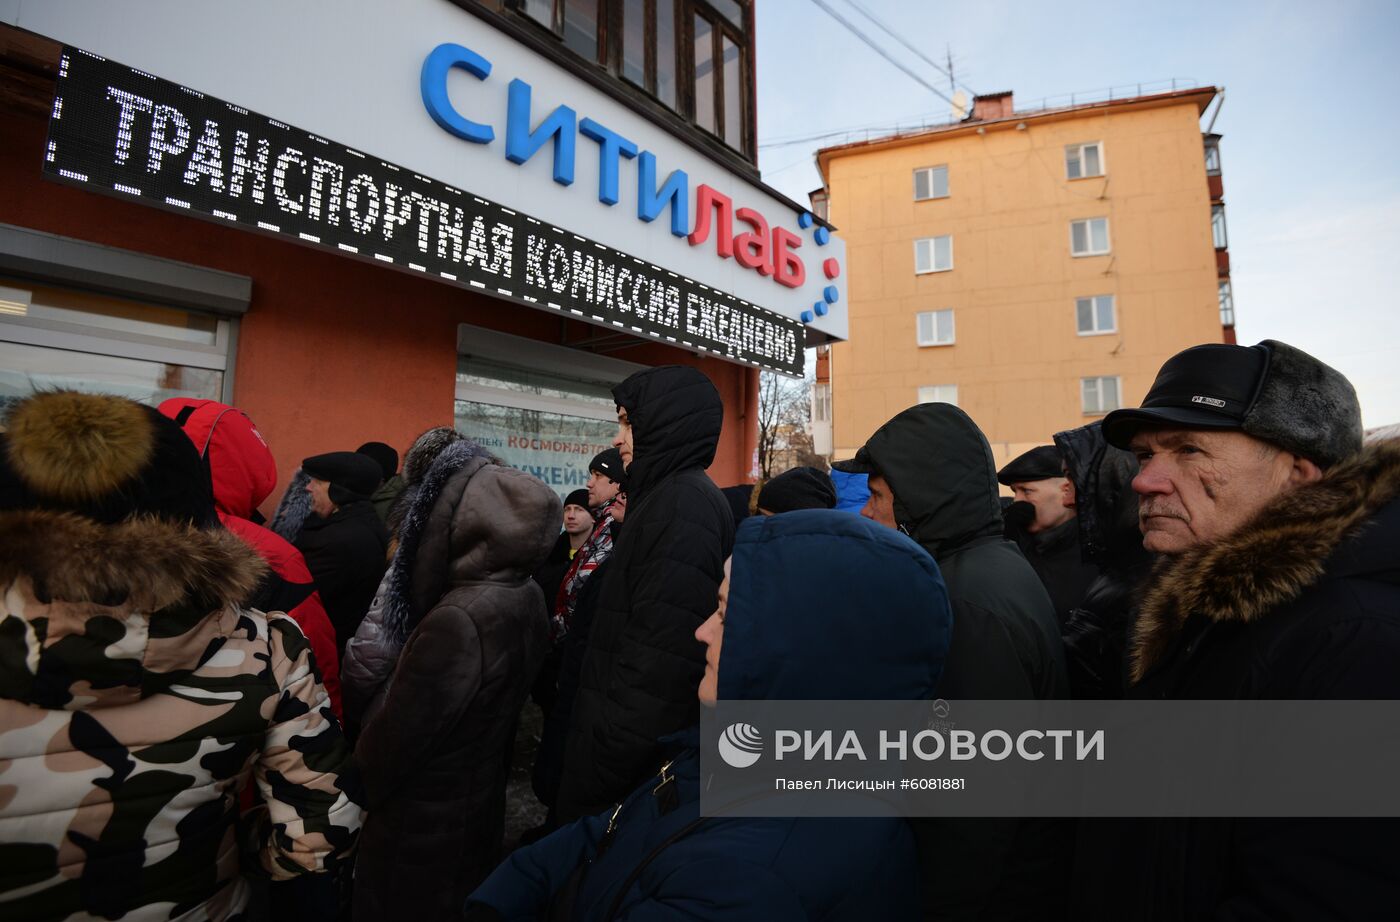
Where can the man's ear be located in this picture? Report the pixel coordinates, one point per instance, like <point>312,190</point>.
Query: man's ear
<point>1303,472</point>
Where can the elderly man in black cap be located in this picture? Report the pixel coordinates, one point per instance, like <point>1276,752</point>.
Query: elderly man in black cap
<point>1041,522</point>
<point>1280,581</point>
<point>343,540</point>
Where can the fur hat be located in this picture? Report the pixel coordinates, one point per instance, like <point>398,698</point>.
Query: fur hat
<point>1271,391</point>
<point>104,457</point>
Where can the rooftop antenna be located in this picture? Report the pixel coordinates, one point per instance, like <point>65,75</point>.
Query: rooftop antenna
<point>960,106</point>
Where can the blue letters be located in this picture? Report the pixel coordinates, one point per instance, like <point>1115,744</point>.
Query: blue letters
<point>433,84</point>
<point>612,147</point>
<point>650,200</point>
<point>521,142</point>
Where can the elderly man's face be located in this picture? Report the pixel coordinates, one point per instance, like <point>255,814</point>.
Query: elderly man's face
<point>1196,486</point>
<point>320,491</point>
<point>1053,499</point>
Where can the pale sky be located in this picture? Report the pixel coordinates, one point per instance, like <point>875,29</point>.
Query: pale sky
<point>1309,155</point>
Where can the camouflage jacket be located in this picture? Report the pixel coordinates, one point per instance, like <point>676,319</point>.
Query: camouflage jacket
<point>137,698</point>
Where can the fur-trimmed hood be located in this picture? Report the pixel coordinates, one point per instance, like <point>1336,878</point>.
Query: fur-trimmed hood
<point>147,562</point>
<point>1269,562</point>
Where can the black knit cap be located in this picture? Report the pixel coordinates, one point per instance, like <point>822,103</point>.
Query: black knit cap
<point>384,455</point>
<point>1040,463</point>
<point>104,457</point>
<point>609,464</point>
<point>578,498</point>
<point>354,474</point>
<point>799,488</point>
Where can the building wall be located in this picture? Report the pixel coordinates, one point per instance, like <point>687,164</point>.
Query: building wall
<point>1018,357</point>
<point>333,352</point>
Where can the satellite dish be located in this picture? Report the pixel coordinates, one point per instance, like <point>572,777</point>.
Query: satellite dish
<point>960,108</point>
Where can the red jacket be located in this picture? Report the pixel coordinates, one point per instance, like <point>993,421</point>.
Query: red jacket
<point>244,473</point>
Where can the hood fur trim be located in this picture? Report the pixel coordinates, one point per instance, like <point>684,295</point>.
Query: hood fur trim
<point>1270,560</point>
<point>77,448</point>
<point>151,563</point>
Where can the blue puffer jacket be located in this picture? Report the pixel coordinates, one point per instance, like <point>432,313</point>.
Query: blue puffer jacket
<point>822,605</point>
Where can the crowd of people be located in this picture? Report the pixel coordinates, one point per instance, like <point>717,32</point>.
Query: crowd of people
<point>208,716</point>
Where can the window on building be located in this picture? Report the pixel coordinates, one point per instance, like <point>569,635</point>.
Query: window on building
<point>1088,237</point>
<point>1083,160</point>
<point>1212,155</point>
<point>939,393</point>
<point>936,328</point>
<point>54,338</point>
<point>1099,395</point>
<point>930,182</point>
<point>933,254</point>
<point>1217,227</point>
<point>720,81</point>
<point>821,403</point>
<point>692,55</point>
<point>1095,315</point>
<point>1227,304</point>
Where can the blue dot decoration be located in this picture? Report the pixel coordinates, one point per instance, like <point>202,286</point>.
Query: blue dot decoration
<point>807,317</point>
<point>823,236</point>
<point>821,308</point>
<point>805,220</point>
<point>831,294</point>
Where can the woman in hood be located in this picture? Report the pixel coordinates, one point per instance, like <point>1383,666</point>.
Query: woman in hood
<point>463,631</point>
<point>815,605</point>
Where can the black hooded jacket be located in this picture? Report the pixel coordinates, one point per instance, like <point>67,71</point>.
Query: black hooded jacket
<point>1006,645</point>
<point>643,663</point>
<point>1006,642</point>
<point>1096,631</point>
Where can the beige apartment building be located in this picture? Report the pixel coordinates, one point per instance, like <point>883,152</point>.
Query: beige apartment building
<point>1035,268</point>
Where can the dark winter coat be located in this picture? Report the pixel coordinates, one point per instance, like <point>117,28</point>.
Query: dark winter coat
<point>1054,554</point>
<point>643,662</point>
<point>549,756</point>
<point>345,554</point>
<point>1006,645</point>
<point>434,752</point>
<point>1303,602</point>
<point>808,590</point>
<point>1096,631</point>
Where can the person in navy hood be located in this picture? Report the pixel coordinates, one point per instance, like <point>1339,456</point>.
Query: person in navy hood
<point>814,605</point>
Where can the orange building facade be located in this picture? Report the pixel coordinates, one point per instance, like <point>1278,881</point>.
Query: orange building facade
<point>1034,268</point>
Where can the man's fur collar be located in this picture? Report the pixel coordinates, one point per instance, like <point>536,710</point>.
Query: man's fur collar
<point>148,562</point>
<point>1270,560</point>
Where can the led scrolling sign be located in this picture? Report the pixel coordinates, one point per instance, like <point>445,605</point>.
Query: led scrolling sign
<point>123,131</point>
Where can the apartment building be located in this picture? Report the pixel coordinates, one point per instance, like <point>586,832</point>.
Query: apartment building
<point>1033,267</point>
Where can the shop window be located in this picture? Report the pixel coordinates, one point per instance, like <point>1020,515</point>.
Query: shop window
<point>930,182</point>
<point>1084,160</point>
<point>1227,304</point>
<point>548,423</point>
<point>1088,237</point>
<point>1099,395</point>
<point>936,328</point>
<point>1217,227</point>
<point>1095,316</point>
<point>933,254</point>
<point>939,393</point>
<point>59,338</point>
